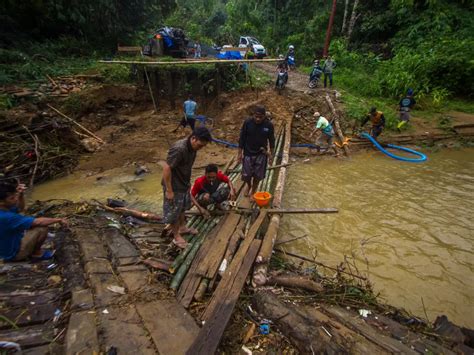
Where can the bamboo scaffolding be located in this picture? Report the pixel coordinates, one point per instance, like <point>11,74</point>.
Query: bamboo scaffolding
<point>189,61</point>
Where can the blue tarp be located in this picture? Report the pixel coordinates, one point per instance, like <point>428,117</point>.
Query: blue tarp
<point>229,55</point>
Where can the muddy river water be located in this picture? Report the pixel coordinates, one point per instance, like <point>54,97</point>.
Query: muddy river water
<point>412,222</point>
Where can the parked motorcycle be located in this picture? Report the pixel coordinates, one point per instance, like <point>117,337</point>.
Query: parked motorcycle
<point>314,77</point>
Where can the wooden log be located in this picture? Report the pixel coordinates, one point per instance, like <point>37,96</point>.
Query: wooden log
<point>337,126</point>
<point>265,253</point>
<point>210,334</point>
<point>307,335</point>
<point>294,281</point>
<point>268,168</point>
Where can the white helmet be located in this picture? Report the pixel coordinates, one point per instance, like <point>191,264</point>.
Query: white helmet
<point>291,46</point>
<point>280,56</point>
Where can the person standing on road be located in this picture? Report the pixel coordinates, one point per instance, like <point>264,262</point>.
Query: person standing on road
<point>328,67</point>
<point>327,133</point>
<point>406,104</point>
<point>176,182</point>
<point>256,145</point>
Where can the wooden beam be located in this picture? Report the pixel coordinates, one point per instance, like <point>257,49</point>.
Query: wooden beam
<point>189,61</point>
<point>265,253</point>
<point>337,126</point>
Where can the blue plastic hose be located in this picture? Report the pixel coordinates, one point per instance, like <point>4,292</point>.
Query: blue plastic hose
<point>421,156</point>
<point>220,141</point>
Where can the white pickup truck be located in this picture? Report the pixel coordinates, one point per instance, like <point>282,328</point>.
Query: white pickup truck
<point>254,45</point>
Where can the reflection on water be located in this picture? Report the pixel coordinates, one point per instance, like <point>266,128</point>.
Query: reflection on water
<point>420,218</point>
<point>141,192</point>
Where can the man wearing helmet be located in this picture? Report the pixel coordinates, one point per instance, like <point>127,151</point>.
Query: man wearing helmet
<point>282,66</point>
<point>326,135</point>
<point>316,72</point>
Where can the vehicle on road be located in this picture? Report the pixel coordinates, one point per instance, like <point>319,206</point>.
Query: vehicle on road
<point>252,43</point>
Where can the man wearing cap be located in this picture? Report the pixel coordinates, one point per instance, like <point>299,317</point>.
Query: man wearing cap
<point>256,144</point>
<point>378,122</point>
<point>406,104</point>
<point>176,182</point>
<point>327,133</point>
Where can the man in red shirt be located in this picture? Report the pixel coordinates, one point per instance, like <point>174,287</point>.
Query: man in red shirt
<point>206,190</point>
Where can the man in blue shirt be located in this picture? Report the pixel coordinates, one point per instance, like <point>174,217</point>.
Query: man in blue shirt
<point>189,108</point>
<point>21,236</point>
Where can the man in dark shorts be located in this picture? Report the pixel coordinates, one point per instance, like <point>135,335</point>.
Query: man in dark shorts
<point>256,144</point>
<point>210,189</point>
<point>177,181</point>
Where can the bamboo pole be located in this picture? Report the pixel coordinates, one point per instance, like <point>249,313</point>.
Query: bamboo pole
<point>337,126</point>
<point>189,62</point>
<point>77,124</point>
<point>183,269</point>
<point>150,89</point>
<point>179,259</point>
<point>265,252</point>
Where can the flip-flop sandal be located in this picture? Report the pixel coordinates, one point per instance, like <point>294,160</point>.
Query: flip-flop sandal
<point>192,231</point>
<point>181,245</point>
<point>47,254</point>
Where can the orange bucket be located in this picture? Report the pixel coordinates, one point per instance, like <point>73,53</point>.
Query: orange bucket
<point>262,198</point>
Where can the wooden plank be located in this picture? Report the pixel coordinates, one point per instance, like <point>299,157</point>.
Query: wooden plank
<point>103,296</point>
<point>210,334</point>
<point>119,245</point>
<point>81,337</point>
<point>26,298</point>
<point>358,325</point>
<point>28,315</point>
<point>231,272</point>
<point>129,49</point>
<point>81,299</point>
<point>30,336</point>
<point>171,327</point>
<point>123,329</point>
<point>192,280</point>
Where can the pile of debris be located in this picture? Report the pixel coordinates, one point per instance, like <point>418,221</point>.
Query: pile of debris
<point>36,146</point>
<point>58,87</point>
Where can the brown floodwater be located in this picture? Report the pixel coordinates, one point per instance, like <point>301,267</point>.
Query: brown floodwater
<point>413,223</point>
<point>413,220</point>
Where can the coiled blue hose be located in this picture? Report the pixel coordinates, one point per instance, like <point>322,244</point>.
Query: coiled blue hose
<point>421,156</point>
